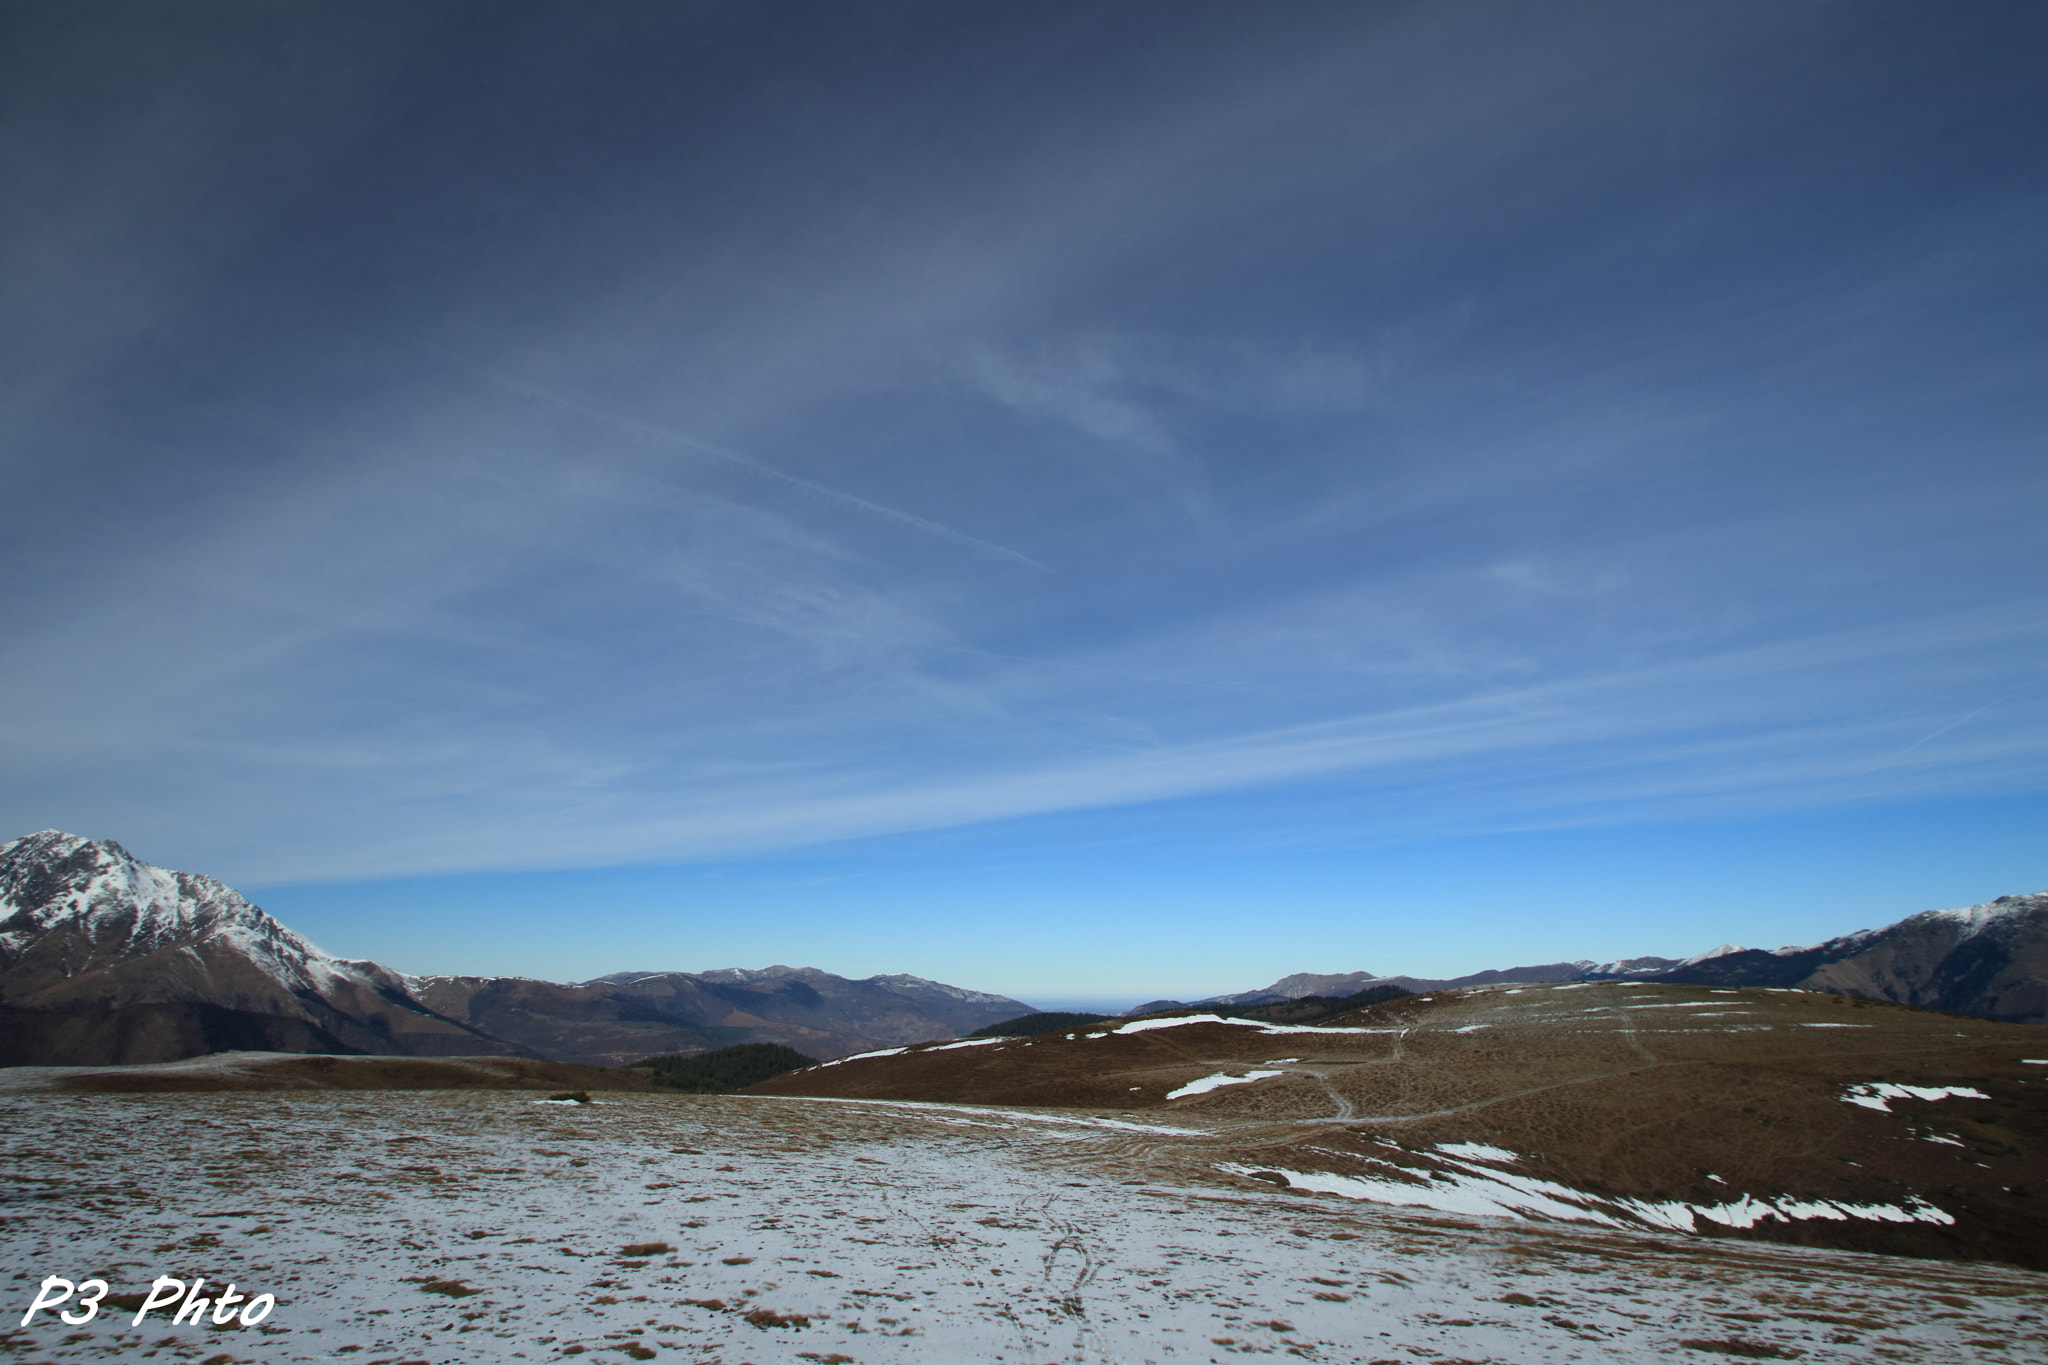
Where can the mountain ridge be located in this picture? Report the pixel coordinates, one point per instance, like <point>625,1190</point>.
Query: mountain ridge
<point>1988,960</point>
<point>106,959</point>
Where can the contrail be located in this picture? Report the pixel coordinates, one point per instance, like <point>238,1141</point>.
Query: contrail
<point>1937,733</point>
<point>527,389</point>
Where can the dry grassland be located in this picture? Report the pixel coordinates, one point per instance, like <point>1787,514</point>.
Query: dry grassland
<point>1635,1100</point>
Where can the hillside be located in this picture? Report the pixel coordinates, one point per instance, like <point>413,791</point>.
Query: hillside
<point>1766,1114</point>
<point>1989,960</point>
<point>618,1019</point>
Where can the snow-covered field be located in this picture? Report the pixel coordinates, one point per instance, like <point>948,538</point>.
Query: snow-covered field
<point>476,1227</point>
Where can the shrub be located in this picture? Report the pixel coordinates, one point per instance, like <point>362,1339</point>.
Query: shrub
<point>725,1070</point>
<point>1031,1025</point>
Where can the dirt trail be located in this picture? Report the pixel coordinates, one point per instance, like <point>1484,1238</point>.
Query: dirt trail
<point>1344,1110</point>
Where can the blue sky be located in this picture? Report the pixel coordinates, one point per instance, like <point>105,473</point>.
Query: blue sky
<point>1066,499</point>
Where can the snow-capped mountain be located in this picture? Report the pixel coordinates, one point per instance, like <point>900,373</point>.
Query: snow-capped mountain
<point>106,959</point>
<point>1625,967</point>
<point>70,908</point>
<point>1712,953</point>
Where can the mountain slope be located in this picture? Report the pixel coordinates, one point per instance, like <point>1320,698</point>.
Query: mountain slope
<point>1989,960</point>
<point>1299,986</point>
<point>617,1019</point>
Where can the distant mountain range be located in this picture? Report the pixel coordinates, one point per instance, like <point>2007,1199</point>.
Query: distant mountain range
<point>105,959</point>
<point>1989,960</point>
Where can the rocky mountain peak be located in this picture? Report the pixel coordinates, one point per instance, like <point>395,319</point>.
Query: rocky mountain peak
<point>87,904</point>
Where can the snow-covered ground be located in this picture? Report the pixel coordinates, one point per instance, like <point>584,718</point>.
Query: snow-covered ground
<point>479,1227</point>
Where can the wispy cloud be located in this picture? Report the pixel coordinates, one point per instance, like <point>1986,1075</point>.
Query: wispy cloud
<point>1787,726</point>
<point>1419,420</point>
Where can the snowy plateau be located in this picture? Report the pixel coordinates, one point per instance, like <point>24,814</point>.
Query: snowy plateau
<point>491,1227</point>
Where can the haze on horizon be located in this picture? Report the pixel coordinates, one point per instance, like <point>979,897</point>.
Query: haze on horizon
<point>1070,500</point>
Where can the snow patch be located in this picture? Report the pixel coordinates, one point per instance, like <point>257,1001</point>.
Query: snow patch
<point>1748,1211</point>
<point>1878,1095</point>
<point>1181,1020</point>
<point>897,1051</point>
<point>1015,1115</point>
<point>862,1056</point>
<point>966,1042</point>
<point>1217,1082</point>
<point>1678,1005</point>
<point>1494,1194</point>
<point>1505,1193</point>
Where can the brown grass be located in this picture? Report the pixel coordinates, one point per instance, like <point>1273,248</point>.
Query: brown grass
<point>1736,1346</point>
<point>454,1289</point>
